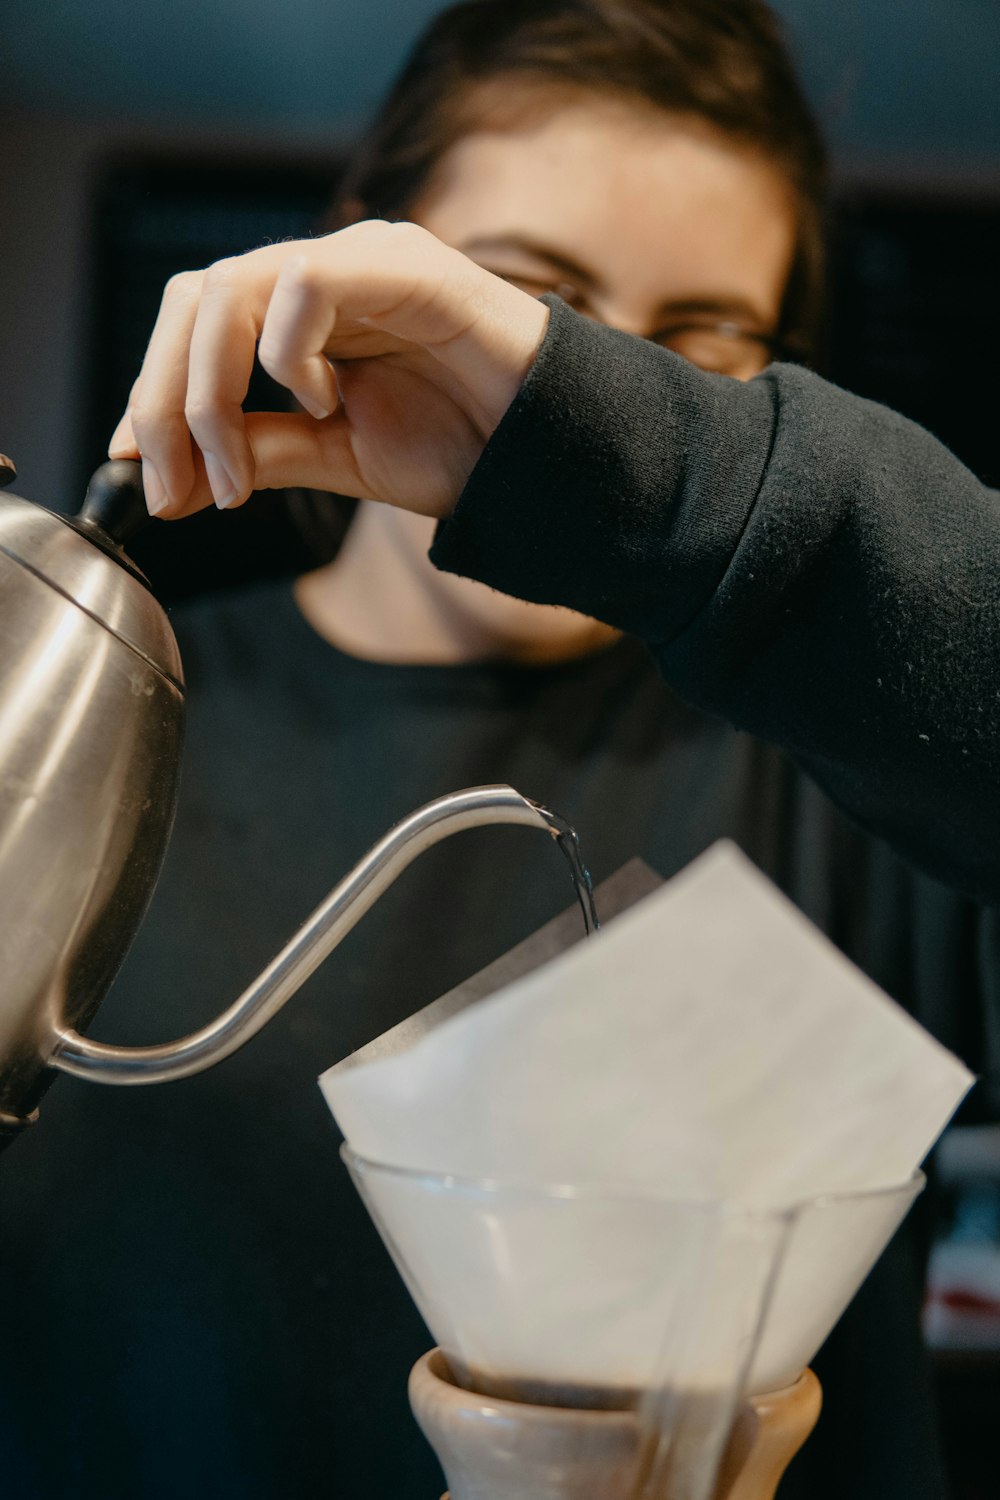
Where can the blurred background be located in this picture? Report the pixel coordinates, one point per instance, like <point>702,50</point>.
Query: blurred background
<point>138,140</point>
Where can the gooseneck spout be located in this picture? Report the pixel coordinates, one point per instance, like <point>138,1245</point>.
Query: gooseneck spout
<point>314,941</point>
<point>91,726</point>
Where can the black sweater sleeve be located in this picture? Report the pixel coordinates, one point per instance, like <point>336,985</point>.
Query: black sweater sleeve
<point>805,564</point>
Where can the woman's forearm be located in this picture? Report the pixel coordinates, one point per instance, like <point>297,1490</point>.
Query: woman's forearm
<point>810,566</point>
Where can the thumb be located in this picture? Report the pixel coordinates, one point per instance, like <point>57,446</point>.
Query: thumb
<point>295,451</point>
<point>290,451</point>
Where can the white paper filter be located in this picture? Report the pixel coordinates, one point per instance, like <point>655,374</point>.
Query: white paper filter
<point>709,1043</point>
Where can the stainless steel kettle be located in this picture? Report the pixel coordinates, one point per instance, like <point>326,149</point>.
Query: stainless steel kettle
<point>91,722</point>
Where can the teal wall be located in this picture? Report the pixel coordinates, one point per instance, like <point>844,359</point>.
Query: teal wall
<point>890,77</point>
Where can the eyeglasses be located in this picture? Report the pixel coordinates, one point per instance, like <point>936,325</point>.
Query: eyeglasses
<point>722,347</point>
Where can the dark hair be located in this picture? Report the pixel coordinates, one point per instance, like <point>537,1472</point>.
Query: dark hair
<point>722,62</point>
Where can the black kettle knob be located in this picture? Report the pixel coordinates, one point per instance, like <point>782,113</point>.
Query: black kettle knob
<point>8,471</point>
<point>115,503</point>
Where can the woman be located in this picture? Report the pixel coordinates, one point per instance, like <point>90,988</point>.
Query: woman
<point>196,1285</point>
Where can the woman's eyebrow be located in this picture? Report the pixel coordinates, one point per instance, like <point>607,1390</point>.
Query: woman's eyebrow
<point>724,308</point>
<point>555,258</point>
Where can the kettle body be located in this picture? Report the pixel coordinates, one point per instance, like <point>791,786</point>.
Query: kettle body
<point>91,722</point>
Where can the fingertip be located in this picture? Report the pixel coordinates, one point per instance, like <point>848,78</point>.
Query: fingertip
<point>123,444</point>
<point>233,503</point>
<point>315,408</point>
<point>226,493</point>
<point>157,500</point>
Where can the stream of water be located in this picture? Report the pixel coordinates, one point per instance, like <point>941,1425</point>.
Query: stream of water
<point>569,843</point>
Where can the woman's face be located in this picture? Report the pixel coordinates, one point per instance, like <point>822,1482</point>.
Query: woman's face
<point>650,223</point>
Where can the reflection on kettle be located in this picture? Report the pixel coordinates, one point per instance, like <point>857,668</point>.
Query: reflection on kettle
<point>91,725</point>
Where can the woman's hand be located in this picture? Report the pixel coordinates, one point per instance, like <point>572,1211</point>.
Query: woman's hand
<point>403,353</point>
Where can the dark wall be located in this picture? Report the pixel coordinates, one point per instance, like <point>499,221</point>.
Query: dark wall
<point>915,317</point>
